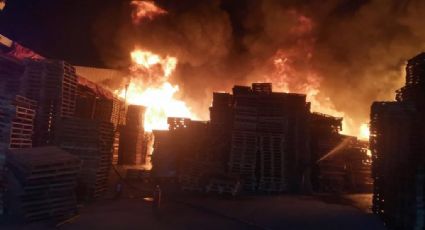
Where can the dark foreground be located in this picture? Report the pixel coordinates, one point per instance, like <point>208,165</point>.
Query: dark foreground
<point>264,212</point>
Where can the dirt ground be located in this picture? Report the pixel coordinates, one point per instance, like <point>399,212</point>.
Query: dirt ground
<point>210,212</point>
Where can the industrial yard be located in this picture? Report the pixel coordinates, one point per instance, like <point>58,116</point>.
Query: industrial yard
<point>212,115</point>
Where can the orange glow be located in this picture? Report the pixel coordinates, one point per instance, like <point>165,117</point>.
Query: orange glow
<point>285,79</point>
<point>364,131</point>
<point>150,87</point>
<point>369,153</point>
<point>145,10</point>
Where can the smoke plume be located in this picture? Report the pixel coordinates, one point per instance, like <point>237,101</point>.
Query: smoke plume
<point>344,54</point>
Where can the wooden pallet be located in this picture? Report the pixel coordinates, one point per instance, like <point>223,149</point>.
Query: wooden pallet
<point>92,142</point>
<point>42,183</point>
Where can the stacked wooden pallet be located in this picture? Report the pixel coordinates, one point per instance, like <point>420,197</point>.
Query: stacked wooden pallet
<point>243,155</point>
<point>132,148</point>
<point>53,84</point>
<point>397,146</point>
<point>16,121</point>
<point>269,135</point>
<point>243,152</point>
<point>91,141</point>
<point>42,183</point>
<point>332,174</point>
<point>16,128</point>
<point>272,162</point>
<point>393,144</point>
<point>221,110</point>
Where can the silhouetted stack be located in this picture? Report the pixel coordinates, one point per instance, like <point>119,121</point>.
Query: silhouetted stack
<point>398,147</point>
<point>17,121</point>
<point>132,146</point>
<point>42,183</point>
<point>53,84</point>
<point>91,141</point>
<point>165,156</point>
<point>221,110</point>
<point>244,145</point>
<point>97,103</point>
<point>16,128</point>
<point>269,139</point>
<point>327,174</point>
<point>359,167</point>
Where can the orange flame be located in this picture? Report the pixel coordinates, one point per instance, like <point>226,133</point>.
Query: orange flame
<point>150,87</point>
<point>364,131</point>
<point>145,10</point>
<point>291,71</point>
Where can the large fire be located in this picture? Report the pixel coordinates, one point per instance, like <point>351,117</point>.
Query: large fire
<point>364,131</point>
<point>150,87</point>
<point>291,72</point>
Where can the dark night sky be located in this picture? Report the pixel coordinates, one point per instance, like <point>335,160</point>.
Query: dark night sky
<point>219,43</point>
<point>63,29</point>
<point>55,29</point>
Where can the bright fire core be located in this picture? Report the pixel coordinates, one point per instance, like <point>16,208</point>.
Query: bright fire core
<point>150,87</point>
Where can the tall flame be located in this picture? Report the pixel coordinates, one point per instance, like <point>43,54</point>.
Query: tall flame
<point>291,71</point>
<point>145,10</point>
<point>150,87</point>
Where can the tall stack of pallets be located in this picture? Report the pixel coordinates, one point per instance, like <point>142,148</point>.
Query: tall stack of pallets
<point>398,144</point>
<point>91,141</point>
<point>132,145</point>
<point>42,182</point>
<point>95,102</point>
<point>17,121</point>
<point>244,145</point>
<point>272,130</point>
<point>16,128</point>
<point>358,168</point>
<point>11,71</point>
<point>269,138</point>
<point>327,174</point>
<point>53,84</point>
<point>391,145</point>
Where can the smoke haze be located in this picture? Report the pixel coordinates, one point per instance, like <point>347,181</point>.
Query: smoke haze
<point>344,53</point>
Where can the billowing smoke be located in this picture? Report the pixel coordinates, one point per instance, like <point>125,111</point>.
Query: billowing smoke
<point>344,53</point>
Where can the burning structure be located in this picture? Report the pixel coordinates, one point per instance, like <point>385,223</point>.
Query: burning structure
<point>340,163</point>
<point>263,141</point>
<point>257,140</point>
<point>397,145</point>
<point>133,144</point>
